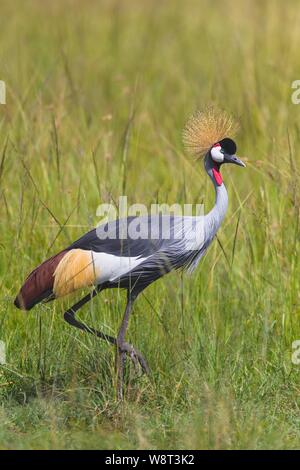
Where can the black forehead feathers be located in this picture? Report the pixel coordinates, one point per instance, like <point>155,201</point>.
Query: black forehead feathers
<point>228,145</point>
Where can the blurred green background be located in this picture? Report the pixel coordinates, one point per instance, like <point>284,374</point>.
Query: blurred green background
<point>97,94</point>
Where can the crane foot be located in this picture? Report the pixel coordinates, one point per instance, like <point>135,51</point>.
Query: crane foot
<point>135,356</point>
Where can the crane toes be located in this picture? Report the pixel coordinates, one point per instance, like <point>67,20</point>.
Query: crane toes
<point>136,357</point>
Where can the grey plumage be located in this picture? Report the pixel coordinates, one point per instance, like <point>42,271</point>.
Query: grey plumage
<point>162,242</point>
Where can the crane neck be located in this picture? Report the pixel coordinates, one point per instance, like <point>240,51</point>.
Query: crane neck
<point>217,213</point>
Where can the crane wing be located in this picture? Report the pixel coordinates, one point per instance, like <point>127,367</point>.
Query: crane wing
<point>128,237</point>
<point>132,250</point>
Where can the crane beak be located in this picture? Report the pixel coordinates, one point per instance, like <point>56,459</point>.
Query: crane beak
<point>233,159</point>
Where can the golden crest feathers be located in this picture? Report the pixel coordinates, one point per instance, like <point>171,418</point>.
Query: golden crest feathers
<point>206,127</point>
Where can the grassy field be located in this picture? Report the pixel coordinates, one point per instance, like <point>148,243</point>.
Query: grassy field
<point>97,94</point>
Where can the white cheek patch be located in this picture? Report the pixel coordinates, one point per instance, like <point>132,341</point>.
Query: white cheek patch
<point>216,154</point>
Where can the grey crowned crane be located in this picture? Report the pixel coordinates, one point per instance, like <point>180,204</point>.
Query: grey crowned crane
<point>110,257</point>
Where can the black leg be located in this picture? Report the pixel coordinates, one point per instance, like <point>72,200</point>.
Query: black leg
<point>69,317</point>
<point>120,353</point>
<point>124,348</point>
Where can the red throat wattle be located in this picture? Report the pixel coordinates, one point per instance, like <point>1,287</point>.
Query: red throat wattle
<point>217,175</point>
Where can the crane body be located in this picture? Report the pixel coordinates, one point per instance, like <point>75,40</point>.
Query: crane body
<point>113,256</point>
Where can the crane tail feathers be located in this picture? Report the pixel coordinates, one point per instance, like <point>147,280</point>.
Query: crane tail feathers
<point>38,285</point>
<point>56,277</point>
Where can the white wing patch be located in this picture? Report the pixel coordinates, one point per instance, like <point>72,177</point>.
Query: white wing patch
<point>110,267</point>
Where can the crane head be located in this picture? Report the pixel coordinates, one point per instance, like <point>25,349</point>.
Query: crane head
<point>204,135</point>
<point>220,153</point>
<point>224,152</point>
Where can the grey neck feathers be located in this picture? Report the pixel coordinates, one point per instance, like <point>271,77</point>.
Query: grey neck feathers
<point>215,217</point>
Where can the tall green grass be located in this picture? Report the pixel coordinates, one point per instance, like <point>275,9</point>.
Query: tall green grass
<point>97,94</point>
